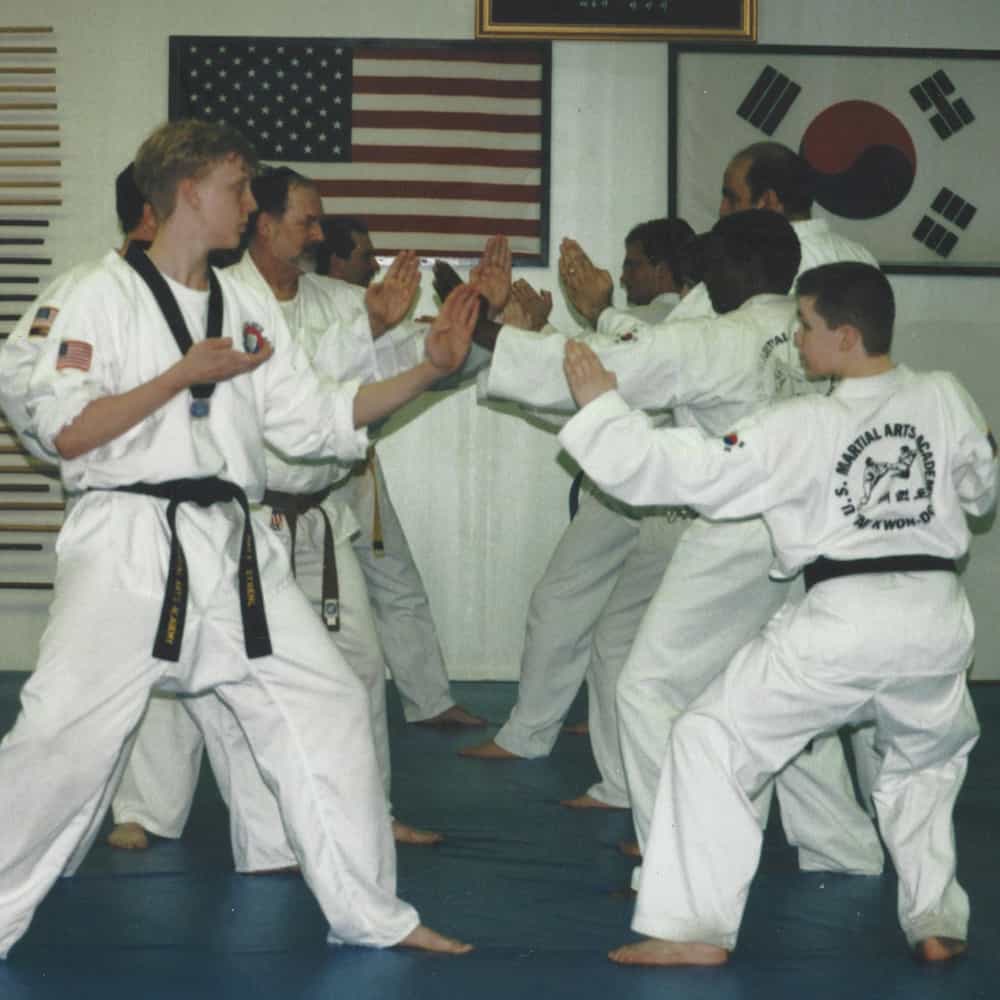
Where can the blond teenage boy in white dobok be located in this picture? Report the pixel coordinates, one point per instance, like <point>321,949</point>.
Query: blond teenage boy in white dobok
<point>304,501</point>
<point>883,633</point>
<point>715,593</point>
<point>162,580</point>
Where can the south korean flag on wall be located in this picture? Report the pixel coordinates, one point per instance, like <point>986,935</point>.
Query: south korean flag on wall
<point>904,142</point>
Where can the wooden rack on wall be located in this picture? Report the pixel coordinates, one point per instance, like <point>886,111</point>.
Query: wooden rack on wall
<point>30,201</point>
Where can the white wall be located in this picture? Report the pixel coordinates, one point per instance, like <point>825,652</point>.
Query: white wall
<point>480,490</point>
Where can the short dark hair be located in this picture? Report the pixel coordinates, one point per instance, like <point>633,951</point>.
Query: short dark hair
<point>270,190</point>
<point>338,239</point>
<point>129,201</point>
<point>661,240</point>
<point>750,253</point>
<point>773,167</point>
<point>181,149</point>
<point>854,294</point>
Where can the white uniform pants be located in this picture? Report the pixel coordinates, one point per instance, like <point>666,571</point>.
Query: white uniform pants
<point>304,713</point>
<point>714,597</point>
<point>159,783</point>
<point>402,612</point>
<point>854,650</point>
<point>640,576</point>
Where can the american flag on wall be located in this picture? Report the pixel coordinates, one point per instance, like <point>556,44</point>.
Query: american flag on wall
<point>436,145</point>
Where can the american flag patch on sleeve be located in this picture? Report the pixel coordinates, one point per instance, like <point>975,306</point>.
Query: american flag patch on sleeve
<point>74,354</point>
<point>42,323</point>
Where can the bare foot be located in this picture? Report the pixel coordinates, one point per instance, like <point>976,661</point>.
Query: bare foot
<point>455,717</point>
<point>577,728</point>
<point>656,951</point>
<point>630,848</point>
<point>488,751</point>
<point>403,833</point>
<point>424,939</point>
<point>939,949</point>
<point>586,802</point>
<point>128,837</point>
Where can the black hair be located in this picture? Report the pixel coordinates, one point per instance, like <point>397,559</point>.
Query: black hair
<point>750,253</point>
<point>338,239</point>
<point>773,167</point>
<point>270,190</point>
<point>129,200</point>
<point>850,293</point>
<point>661,241</point>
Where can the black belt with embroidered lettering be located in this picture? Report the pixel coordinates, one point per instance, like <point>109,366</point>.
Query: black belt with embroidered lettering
<point>291,506</point>
<point>827,569</point>
<point>205,492</point>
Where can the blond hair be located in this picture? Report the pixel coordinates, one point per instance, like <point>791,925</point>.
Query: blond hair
<point>181,149</point>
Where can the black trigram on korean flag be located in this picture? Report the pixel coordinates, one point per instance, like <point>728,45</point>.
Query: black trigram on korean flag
<point>955,210</point>
<point>768,100</point>
<point>933,94</point>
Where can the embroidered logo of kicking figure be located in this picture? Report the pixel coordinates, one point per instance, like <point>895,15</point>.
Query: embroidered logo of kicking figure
<point>883,484</point>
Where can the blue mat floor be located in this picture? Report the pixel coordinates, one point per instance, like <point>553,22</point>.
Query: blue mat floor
<point>539,889</point>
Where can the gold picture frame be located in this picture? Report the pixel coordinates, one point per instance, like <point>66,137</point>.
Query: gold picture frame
<point>637,20</point>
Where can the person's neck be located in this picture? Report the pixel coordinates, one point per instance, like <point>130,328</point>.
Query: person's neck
<point>186,261</point>
<point>281,275</point>
<point>866,366</point>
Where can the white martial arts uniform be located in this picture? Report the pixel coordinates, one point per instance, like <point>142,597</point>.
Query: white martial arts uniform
<point>884,467</point>
<point>303,710</point>
<point>158,785</point>
<point>582,615</point>
<point>19,352</point>
<point>715,593</point>
<point>398,597</point>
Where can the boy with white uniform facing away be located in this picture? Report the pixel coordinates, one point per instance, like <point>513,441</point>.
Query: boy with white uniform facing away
<point>161,580</point>
<point>866,491</point>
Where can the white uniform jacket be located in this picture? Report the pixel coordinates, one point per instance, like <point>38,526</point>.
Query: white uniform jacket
<point>886,465</point>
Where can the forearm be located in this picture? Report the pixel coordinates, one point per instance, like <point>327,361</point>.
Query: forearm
<point>104,419</point>
<point>379,399</point>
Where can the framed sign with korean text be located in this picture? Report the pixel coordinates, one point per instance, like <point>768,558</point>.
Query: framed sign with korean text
<point>715,20</point>
<point>902,142</point>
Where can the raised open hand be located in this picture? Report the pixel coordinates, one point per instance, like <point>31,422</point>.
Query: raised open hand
<point>587,377</point>
<point>389,300</point>
<point>451,332</point>
<point>588,288</point>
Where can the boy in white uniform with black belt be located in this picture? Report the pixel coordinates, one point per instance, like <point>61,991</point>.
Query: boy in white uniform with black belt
<point>884,632</point>
<point>170,452</point>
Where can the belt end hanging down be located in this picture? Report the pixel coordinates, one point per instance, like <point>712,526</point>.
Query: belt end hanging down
<point>331,614</point>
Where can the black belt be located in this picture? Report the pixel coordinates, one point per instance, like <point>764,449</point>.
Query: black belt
<point>205,492</point>
<point>826,569</point>
<point>291,505</point>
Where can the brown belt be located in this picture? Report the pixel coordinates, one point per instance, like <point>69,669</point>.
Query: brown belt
<point>291,506</point>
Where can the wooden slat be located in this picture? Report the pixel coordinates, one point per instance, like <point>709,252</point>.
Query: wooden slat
<point>32,505</point>
<point>12,449</point>
<point>27,50</point>
<point>25,488</point>
<point>20,241</point>
<point>28,105</point>
<point>28,70</point>
<point>24,585</point>
<point>21,547</point>
<point>15,29</point>
<point>28,88</point>
<point>30,184</point>
<point>29,223</point>
<point>27,529</point>
<point>29,127</point>
<point>29,261</point>
<point>24,470</point>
